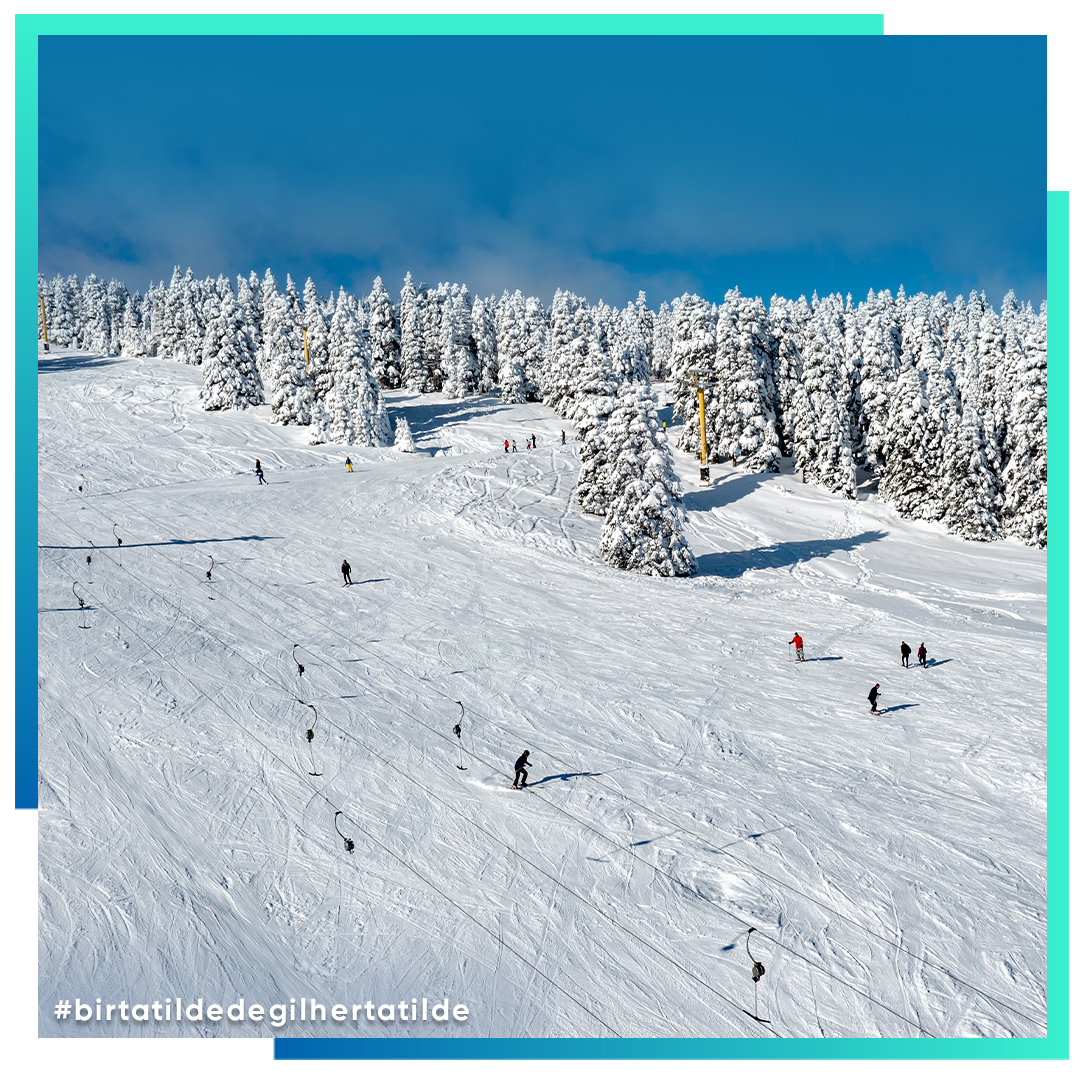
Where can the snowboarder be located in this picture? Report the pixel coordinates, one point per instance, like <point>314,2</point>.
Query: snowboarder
<point>346,571</point>
<point>564,438</point>
<point>797,642</point>
<point>514,450</point>
<point>872,698</point>
<point>259,472</point>
<point>348,464</point>
<point>922,654</point>
<point>506,446</point>
<point>519,770</point>
<point>905,652</point>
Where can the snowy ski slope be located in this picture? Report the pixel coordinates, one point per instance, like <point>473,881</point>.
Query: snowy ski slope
<point>689,781</point>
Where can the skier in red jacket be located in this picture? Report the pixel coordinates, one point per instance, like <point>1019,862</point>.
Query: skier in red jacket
<point>797,642</point>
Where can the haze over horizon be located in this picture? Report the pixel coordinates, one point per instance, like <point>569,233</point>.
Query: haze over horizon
<point>600,165</point>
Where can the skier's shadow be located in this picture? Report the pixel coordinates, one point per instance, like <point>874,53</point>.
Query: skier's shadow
<point>897,708</point>
<point>938,663</point>
<point>563,776</point>
<point>815,659</point>
<point>369,581</point>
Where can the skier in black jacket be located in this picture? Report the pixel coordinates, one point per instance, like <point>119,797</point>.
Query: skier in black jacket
<point>519,770</point>
<point>346,571</point>
<point>872,698</point>
<point>905,652</point>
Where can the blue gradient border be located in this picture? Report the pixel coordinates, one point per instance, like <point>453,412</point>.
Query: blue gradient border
<point>28,28</point>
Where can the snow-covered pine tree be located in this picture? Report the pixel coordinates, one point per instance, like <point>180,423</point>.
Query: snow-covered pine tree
<point>535,357</point>
<point>757,444</point>
<point>646,324</point>
<point>170,332</point>
<point>644,526</point>
<point>822,437</point>
<point>385,343</point>
<point>788,319</point>
<point>661,343</point>
<point>290,388</point>
<point>854,322</point>
<point>487,349</point>
<point>880,370</point>
<point>116,297</point>
<point>913,478</point>
<point>97,327</point>
<point>458,358</point>
<point>132,340</point>
<point>722,421</point>
<point>971,500</point>
<point>512,340</point>
<point>431,312</point>
<point>191,299</point>
<point>352,411</point>
<point>230,377</point>
<point>62,326</point>
<point>268,295</point>
<point>567,347</point>
<point>1024,510</point>
<point>693,345</point>
<point>318,341</point>
<point>413,369</point>
<point>403,437</point>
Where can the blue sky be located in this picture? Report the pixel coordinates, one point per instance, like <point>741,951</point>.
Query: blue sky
<point>601,165</point>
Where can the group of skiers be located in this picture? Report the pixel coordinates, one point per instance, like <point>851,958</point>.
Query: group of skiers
<point>510,446</point>
<point>875,690</point>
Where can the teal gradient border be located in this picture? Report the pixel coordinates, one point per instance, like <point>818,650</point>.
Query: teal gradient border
<point>28,28</point>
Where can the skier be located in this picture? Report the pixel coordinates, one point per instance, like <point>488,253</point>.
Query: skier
<point>514,451</point>
<point>922,654</point>
<point>348,464</point>
<point>905,652</point>
<point>564,438</point>
<point>797,642</point>
<point>346,571</point>
<point>519,770</point>
<point>258,471</point>
<point>872,698</point>
<point>506,446</point>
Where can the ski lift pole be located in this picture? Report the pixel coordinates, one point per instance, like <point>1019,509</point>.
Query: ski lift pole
<point>702,379</point>
<point>307,355</point>
<point>44,324</point>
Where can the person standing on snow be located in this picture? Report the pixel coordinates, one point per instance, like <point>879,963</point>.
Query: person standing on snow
<point>922,654</point>
<point>514,451</point>
<point>797,642</point>
<point>564,438</point>
<point>872,698</point>
<point>506,446</point>
<point>346,571</point>
<point>905,652</point>
<point>519,770</point>
<point>259,472</point>
<point>348,464</point>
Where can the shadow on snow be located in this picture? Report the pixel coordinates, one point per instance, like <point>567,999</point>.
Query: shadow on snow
<point>50,364</point>
<point>732,564</point>
<point>156,543</point>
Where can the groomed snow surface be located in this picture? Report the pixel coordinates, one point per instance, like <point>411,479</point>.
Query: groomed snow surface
<point>688,780</point>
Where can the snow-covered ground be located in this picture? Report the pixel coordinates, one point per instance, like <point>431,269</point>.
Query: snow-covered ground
<point>689,780</point>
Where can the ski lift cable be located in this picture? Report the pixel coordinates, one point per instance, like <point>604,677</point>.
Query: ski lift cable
<point>356,825</point>
<point>643,806</point>
<point>616,843</point>
<point>374,753</point>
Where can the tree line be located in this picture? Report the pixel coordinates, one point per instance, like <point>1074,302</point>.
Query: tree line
<point>941,404</point>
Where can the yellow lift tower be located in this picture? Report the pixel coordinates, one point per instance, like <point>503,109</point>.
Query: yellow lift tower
<point>702,379</point>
